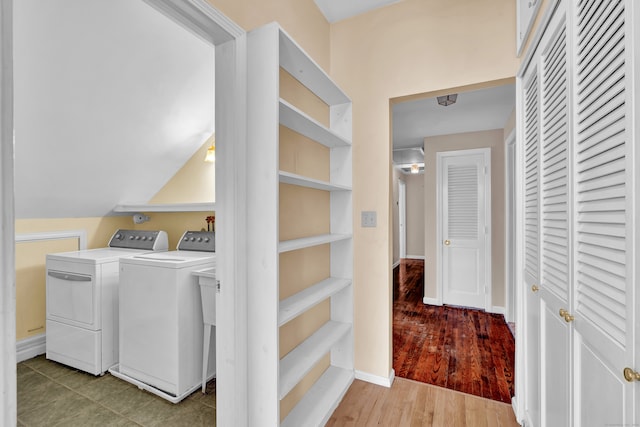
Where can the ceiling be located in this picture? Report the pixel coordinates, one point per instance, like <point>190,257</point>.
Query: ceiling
<point>337,10</point>
<point>476,110</point>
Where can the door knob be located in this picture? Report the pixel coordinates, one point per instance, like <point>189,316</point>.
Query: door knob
<point>566,316</point>
<point>447,242</point>
<point>535,288</point>
<point>631,375</point>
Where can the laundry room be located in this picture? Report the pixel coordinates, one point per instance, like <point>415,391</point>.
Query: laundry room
<point>114,129</point>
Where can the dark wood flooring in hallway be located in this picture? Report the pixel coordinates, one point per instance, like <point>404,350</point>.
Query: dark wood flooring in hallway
<point>461,349</point>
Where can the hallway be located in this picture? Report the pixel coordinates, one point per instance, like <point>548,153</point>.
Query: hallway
<point>462,349</point>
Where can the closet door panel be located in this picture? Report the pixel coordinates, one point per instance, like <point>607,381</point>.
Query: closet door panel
<point>603,249</point>
<point>531,108</point>
<point>555,227</point>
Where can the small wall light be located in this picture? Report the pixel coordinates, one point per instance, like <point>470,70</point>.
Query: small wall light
<point>211,153</point>
<point>415,168</point>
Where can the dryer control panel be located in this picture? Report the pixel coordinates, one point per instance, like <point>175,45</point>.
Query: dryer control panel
<point>202,241</point>
<point>140,239</point>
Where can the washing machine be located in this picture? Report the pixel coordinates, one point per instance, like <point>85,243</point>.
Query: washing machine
<point>82,300</point>
<point>161,323</point>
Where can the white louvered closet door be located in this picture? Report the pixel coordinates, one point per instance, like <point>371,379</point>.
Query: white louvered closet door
<point>465,182</point>
<point>531,110</point>
<point>604,286</point>
<point>555,278</point>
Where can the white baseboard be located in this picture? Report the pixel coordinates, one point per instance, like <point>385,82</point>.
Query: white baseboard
<point>415,257</point>
<point>395,264</point>
<point>498,310</point>
<point>431,301</point>
<point>31,347</point>
<point>376,379</point>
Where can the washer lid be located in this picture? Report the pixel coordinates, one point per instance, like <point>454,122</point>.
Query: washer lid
<point>96,256</point>
<point>173,259</point>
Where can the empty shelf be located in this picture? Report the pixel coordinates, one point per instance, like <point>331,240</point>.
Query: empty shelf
<point>299,361</point>
<point>321,400</point>
<point>307,242</point>
<point>308,72</point>
<point>298,303</point>
<point>165,207</point>
<point>302,181</point>
<point>300,122</point>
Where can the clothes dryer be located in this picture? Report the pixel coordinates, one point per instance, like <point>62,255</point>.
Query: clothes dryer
<point>82,300</point>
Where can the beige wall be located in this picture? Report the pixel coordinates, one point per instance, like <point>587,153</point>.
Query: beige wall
<point>194,182</point>
<point>465,141</point>
<point>301,19</point>
<point>415,215</point>
<point>411,47</point>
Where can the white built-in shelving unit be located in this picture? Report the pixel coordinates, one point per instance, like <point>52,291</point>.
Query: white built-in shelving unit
<point>270,376</point>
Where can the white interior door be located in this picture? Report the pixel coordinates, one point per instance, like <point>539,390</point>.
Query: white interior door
<point>555,227</point>
<point>402,218</point>
<point>464,200</point>
<point>531,110</point>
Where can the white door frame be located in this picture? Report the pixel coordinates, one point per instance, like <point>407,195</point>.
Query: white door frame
<point>229,39</point>
<point>402,218</point>
<point>510,232</point>
<point>439,233</point>
<point>8,396</point>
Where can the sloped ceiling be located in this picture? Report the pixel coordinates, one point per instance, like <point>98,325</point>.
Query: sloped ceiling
<point>111,99</point>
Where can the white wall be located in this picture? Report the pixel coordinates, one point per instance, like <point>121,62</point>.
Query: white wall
<point>415,215</point>
<point>111,99</point>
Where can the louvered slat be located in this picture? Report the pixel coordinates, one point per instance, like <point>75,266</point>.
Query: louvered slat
<point>531,246</point>
<point>601,149</point>
<point>462,199</point>
<point>554,179</point>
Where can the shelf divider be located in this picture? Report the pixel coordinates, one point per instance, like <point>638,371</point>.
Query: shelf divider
<point>307,242</point>
<point>302,181</point>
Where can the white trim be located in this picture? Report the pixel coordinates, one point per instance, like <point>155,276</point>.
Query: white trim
<point>31,347</point>
<point>431,301</point>
<point>376,379</point>
<point>8,394</point>
<point>497,309</point>
<point>509,269</point>
<point>395,264</point>
<point>540,30</point>
<point>402,219</point>
<point>415,257</point>
<point>164,207</point>
<point>81,235</point>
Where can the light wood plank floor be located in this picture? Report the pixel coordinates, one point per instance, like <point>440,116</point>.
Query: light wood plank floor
<point>411,403</point>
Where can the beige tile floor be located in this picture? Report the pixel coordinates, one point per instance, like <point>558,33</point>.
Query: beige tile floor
<point>51,394</point>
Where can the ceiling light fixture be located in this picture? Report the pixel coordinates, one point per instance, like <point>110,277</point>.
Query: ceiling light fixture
<point>447,100</point>
<point>415,168</point>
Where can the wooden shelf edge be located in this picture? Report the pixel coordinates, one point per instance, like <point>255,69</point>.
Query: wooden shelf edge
<point>303,68</point>
<point>292,307</point>
<point>165,207</point>
<point>299,121</point>
<point>322,399</point>
<point>307,242</point>
<point>303,181</point>
<point>299,361</point>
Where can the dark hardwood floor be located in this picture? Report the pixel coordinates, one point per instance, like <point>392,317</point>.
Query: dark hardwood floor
<point>462,349</point>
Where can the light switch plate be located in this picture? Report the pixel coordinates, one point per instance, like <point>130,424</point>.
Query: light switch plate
<point>368,219</point>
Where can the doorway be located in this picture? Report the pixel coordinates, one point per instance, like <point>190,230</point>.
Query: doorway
<point>207,23</point>
<point>440,129</point>
<point>402,218</point>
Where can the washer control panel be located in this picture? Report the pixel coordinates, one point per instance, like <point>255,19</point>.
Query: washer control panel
<point>202,241</point>
<point>153,240</point>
